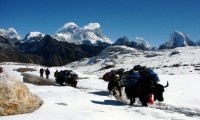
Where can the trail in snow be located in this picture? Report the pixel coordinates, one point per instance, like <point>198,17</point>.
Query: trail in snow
<point>190,112</point>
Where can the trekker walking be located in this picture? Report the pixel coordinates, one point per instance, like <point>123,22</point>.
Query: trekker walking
<point>41,72</point>
<point>47,72</point>
<point>56,74</point>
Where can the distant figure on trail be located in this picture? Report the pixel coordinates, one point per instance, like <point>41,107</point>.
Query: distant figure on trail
<point>41,72</point>
<point>56,74</point>
<point>47,72</point>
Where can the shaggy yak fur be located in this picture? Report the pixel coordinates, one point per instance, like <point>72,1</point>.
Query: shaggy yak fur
<point>143,91</point>
<point>66,80</point>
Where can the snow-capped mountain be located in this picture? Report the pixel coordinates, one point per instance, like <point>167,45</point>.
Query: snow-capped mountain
<point>177,39</point>
<point>5,41</point>
<point>89,34</point>
<point>11,33</point>
<point>139,43</point>
<point>143,43</point>
<point>9,52</point>
<point>122,41</point>
<point>33,37</point>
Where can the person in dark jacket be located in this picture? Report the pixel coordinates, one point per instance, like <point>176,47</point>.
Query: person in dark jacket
<point>41,72</point>
<point>56,74</point>
<point>47,72</point>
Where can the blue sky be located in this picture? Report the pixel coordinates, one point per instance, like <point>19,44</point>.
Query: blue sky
<point>152,20</point>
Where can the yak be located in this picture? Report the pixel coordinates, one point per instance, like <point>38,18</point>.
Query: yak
<point>143,91</point>
<point>70,79</point>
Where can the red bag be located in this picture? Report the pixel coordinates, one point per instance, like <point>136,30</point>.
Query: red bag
<point>106,77</point>
<point>150,100</point>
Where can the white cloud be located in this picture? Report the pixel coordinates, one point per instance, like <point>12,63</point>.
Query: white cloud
<point>92,26</point>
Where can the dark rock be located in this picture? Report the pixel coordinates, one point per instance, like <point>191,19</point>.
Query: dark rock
<point>33,79</point>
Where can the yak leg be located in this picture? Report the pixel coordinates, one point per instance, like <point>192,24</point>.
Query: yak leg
<point>120,92</point>
<point>144,99</point>
<point>119,89</point>
<point>74,83</point>
<point>132,100</point>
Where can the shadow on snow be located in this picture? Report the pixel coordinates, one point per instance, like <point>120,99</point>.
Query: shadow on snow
<point>109,102</point>
<point>100,93</point>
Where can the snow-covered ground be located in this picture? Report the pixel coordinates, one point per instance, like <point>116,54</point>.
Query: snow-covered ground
<point>91,99</point>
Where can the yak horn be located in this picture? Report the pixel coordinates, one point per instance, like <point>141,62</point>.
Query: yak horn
<point>167,84</point>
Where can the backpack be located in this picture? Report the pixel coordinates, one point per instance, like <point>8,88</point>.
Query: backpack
<point>133,78</point>
<point>112,75</point>
<point>153,76</point>
<point>106,77</point>
<point>123,80</point>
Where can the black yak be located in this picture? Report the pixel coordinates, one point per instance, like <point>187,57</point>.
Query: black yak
<point>67,78</point>
<point>143,93</point>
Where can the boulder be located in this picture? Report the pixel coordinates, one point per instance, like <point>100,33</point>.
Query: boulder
<point>36,80</point>
<point>16,98</point>
<point>25,70</point>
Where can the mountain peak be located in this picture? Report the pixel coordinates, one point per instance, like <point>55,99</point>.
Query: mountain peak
<point>177,39</point>
<point>140,40</point>
<point>70,24</point>
<point>122,41</point>
<point>33,37</point>
<point>68,28</point>
<point>35,34</point>
<point>11,33</point>
<point>12,30</point>
<point>175,32</point>
<point>89,34</point>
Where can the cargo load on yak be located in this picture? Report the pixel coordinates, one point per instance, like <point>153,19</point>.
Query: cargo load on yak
<point>133,77</point>
<point>148,73</point>
<point>110,75</point>
<point>106,76</point>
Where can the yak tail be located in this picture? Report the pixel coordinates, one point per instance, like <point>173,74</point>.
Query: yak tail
<point>167,84</point>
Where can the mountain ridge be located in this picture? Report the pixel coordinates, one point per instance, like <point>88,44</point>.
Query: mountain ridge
<point>92,35</point>
<point>57,53</point>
